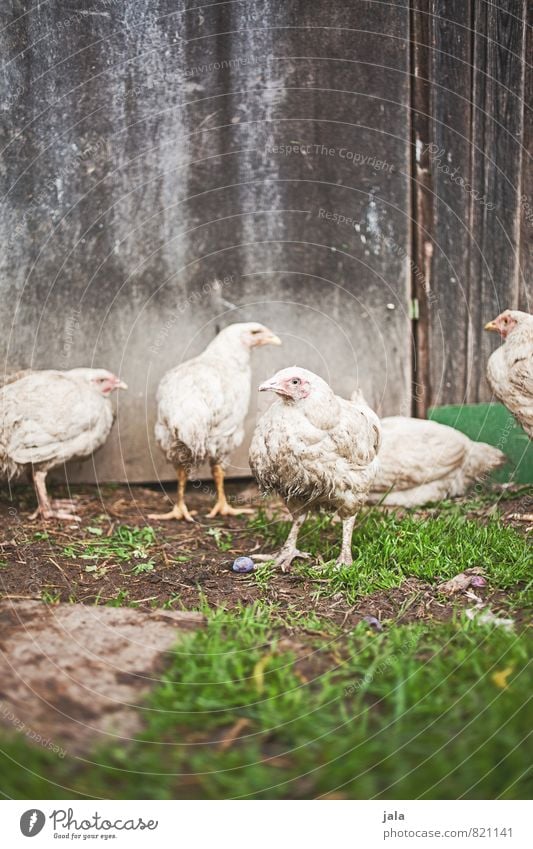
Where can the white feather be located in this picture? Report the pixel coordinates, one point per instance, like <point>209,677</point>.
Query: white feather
<point>321,451</point>
<point>510,371</point>
<point>203,402</point>
<point>49,417</point>
<point>422,461</point>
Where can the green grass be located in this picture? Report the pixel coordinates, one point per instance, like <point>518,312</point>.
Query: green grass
<point>263,574</point>
<point>415,712</point>
<point>388,549</point>
<point>124,544</point>
<point>223,539</point>
<point>49,597</point>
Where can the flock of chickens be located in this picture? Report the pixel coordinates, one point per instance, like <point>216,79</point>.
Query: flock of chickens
<point>311,447</point>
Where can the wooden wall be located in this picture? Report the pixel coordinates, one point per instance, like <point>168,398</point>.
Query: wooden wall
<point>473,172</point>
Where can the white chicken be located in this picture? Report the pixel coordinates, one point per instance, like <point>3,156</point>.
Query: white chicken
<point>49,417</point>
<point>423,461</point>
<point>510,368</point>
<point>202,405</point>
<point>315,450</point>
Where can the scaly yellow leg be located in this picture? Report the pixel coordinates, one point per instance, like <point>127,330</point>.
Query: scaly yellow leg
<point>179,511</point>
<point>222,508</point>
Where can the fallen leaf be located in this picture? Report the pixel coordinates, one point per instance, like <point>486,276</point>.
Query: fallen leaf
<point>462,581</point>
<point>277,761</point>
<point>335,795</point>
<point>500,678</point>
<point>259,671</point>
<point>234,733</point>
<point>487,617</point>
<point>474,597</point>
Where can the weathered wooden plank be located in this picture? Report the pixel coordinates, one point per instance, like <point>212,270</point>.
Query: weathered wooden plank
<point>445,157</point>
<point>471,164</point>
<point>422,203</point>
<point>497,138</point>
<point>152,149</point>
<point>525,282</point>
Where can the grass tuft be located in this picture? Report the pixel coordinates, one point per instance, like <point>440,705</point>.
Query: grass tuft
<point>388,548</point>
<point>124,544</point>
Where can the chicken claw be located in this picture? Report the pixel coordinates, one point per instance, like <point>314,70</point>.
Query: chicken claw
<point>222,508</point>
<point>55,513</point>
<point>289,552</point>
<point>284,559</point>
<point>57,508</point>
<point>287,555</point>
<point>521,517</point>
<point>179,511</point>
<point>66,504</point>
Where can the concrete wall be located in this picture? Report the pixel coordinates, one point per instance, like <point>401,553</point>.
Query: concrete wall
<point>151,149</point>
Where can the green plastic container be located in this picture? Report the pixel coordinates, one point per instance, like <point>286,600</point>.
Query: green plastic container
<point>494,424</point>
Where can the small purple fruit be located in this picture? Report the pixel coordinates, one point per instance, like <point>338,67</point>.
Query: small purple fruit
<point>243,564</point>
<point>478,581</point>
<point>373,622</point>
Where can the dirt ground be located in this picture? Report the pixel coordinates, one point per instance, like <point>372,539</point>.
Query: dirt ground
<point>75,672</point>
<point>189,565</point>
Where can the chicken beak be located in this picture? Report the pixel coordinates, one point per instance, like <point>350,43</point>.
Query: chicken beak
<point>268,385</point>
<point>122,385</point>
<point>491,325</point>
<point>273,339</point>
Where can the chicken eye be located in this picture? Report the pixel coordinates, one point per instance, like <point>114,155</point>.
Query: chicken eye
<point>255,332</point>
<point>295,381</point>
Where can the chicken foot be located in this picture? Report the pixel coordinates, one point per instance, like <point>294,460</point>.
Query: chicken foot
<point>522,517</point>
<point>180,510</point>
<point>289,552</point>
<point>345,558</point>
<point>222,508</point>
<point>59,508</point>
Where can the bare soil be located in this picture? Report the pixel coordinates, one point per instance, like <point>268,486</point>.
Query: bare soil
<point>70,674</point>
<point>75,674</point>
<point>33,564</point>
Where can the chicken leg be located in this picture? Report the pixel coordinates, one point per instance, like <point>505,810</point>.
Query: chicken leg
<point>179,511</point>
<point>289,552</point>
<point>345,557</point>
<point>222,508</point>
<point>57,509</point>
